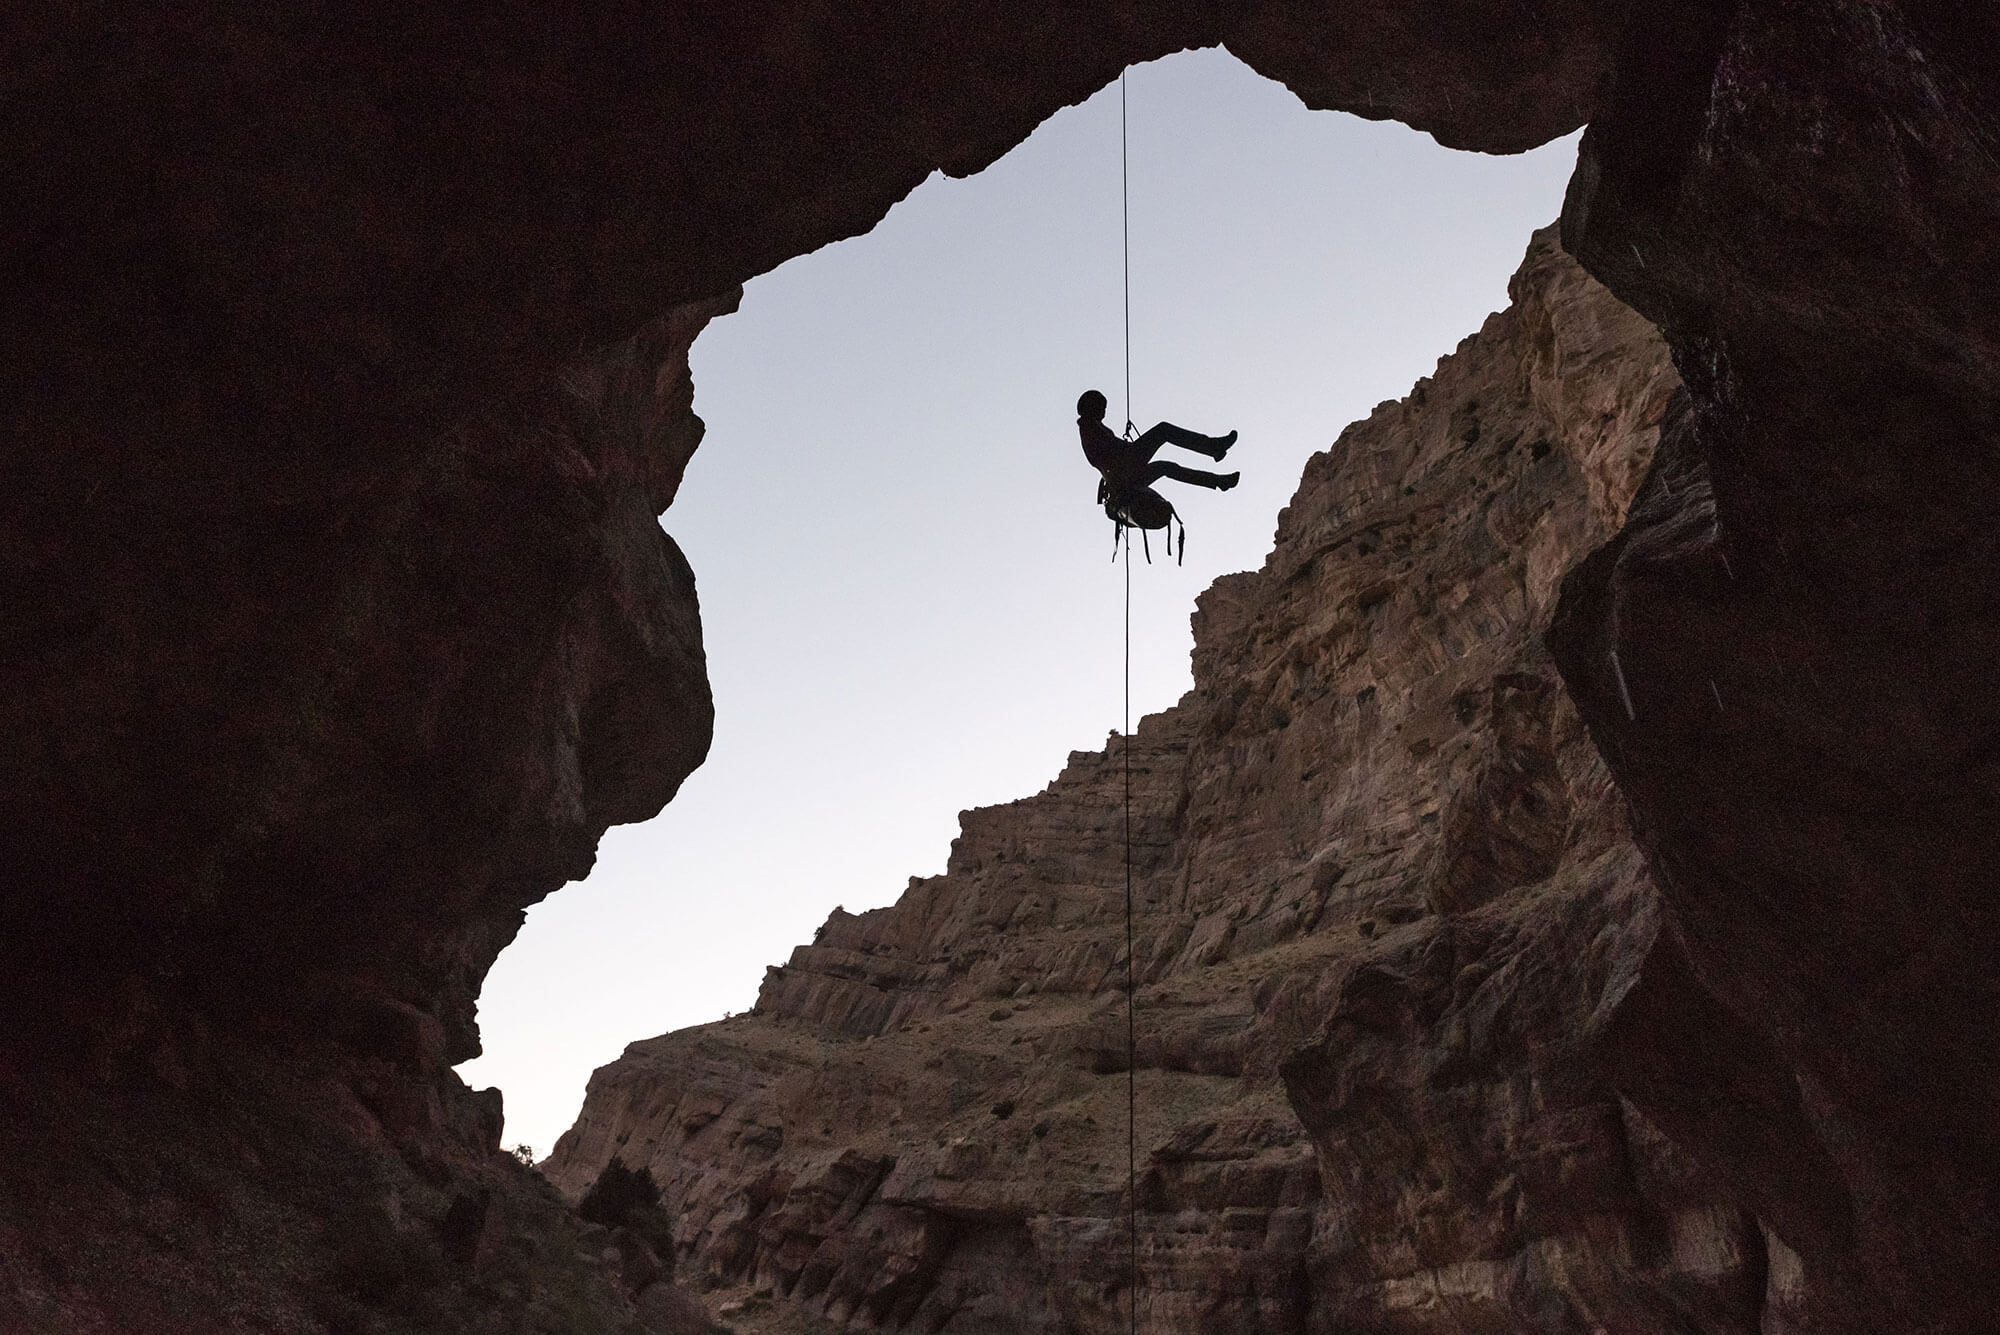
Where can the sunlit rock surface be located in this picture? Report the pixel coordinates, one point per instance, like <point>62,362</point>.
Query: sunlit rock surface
<point>922,1125</point>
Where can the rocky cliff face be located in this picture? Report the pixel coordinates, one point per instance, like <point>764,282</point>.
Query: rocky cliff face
<point>1377,804</point>
<point>342,382</point>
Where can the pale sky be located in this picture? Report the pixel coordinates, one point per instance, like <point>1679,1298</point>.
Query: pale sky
<point>906,590</point>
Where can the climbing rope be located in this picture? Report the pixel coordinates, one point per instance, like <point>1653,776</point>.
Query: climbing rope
<point>1131,973</point>
<point>1125,227</point>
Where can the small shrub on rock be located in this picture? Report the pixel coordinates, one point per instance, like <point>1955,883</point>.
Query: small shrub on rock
<point>627,1198</point>
<point>616,1192</point>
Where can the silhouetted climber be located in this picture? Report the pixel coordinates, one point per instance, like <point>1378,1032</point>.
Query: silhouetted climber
<point>1128,465</point>
<point>1128,470</point>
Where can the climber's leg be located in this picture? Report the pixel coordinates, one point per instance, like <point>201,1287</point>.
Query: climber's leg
<point>1192,476</point>
<point>1166,433</point>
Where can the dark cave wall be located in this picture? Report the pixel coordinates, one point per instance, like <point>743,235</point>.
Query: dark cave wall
<point>1803,613</point>
<point>345,374</point>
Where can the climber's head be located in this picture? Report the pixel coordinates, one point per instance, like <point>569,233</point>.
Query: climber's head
<point>1091,406</point>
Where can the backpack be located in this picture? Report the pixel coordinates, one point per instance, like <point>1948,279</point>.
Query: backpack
<point>1140,507</point>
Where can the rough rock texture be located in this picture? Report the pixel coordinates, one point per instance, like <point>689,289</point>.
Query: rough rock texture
<point>341,382</point>
<point>190,1188</point>
<point>1803,617</point>
<point>317,778</point>
<point>922,1124</point>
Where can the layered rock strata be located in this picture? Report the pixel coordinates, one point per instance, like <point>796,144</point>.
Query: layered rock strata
<point>1377,802</point>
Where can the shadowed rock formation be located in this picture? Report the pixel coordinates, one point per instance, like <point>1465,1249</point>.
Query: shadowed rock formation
<point>345,374</point>
<point>1802,618</point>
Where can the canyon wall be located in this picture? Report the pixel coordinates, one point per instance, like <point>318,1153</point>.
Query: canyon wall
<point>345,375</point>
<point>1390,930</point>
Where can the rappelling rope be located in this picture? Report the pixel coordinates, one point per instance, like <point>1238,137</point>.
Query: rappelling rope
<point>1131,972</point>
<point>1131,975</point>
<point>1125,226</point>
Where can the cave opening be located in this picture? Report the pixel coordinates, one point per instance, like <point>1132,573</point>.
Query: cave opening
<point>906,600</point>
<point>343,627</point>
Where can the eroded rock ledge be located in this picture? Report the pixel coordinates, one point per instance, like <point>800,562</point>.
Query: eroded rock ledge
<point>1378,804</point>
